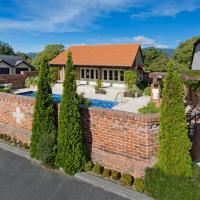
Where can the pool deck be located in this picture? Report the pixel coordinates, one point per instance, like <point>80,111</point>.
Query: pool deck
<point>112,94</point>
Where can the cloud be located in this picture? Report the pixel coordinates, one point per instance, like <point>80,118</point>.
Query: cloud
<point>148,42</point>
<point>78,15</point>
<point>170,8</point>
<point>62,15</point>
<point>162,46</point>
<point>144,40</point>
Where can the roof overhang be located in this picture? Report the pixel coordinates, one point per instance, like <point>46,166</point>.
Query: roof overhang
<point>92,66</point>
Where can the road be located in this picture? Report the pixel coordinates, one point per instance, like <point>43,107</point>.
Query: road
<point>20,179</point>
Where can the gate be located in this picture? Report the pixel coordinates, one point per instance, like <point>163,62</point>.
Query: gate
<point>194,134</point>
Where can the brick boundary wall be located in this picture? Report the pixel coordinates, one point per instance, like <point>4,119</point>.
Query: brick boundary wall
<point>17,80</point>
<point>118,140</point>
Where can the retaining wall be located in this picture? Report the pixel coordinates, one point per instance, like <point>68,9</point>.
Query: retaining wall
<point>119,140</point>
<point>17,80</point>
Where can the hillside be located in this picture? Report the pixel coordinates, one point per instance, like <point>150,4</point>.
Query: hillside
<point>169,52</point>
<point>32,54</point>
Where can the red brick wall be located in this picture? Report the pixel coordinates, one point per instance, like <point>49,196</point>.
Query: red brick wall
<point>17,80</point>
<point>8,124</point>
<point>119,140</point>
<point>123,141</point>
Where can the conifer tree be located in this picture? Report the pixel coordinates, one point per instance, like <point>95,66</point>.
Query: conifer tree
<point>44,129</point>
<point>174,144</point>
<point>71,150</point>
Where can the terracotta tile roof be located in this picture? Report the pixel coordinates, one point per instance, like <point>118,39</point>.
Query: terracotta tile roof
<point>100,55</point>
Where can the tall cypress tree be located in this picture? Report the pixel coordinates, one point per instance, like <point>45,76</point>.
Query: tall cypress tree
<point>44,124</point>
<point>71,150</point>
<point>174,144</point>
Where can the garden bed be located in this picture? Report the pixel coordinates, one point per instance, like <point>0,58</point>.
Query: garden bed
<point>114,176</point>
<point>14,142</point>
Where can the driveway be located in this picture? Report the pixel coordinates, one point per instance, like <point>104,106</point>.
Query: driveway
<point>21,179</point>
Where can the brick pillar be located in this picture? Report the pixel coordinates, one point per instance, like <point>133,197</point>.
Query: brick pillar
<point>156,93</point>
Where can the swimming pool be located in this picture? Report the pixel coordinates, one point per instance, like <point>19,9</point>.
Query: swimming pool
<point>94,102</point>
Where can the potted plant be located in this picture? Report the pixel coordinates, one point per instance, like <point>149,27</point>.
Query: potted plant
<point>99,87</point>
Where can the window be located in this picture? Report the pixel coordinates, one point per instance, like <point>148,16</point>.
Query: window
<point>87,73</point>
<point>121,75</point>
<point>92,74</point>
<point>97,74</point>
<point>110,75</point>
<point>19,70</point>
<point>116,75</point>
<point>82,73</point>
<point>105,74</point>
<point>4,70</point>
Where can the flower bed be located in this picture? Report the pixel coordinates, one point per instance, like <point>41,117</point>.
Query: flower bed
<point>125,180</point>
<point>13,141</point>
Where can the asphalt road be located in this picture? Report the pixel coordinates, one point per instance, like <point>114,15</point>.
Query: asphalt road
<point>22,180</point>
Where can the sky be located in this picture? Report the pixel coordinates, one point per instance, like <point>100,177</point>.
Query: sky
<point>29,25</point>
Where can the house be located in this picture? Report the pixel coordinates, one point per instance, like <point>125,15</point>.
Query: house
<point>13,65</point>
<point>105,62</point>
<point>196,56</point>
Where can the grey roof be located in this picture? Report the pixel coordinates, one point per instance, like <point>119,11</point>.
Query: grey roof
<point>12,60</point>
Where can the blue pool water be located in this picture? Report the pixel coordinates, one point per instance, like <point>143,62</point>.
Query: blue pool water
<point>94,102</point>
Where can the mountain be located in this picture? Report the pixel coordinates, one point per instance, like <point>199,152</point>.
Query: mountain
<point>169,51</point>
<point>32,54</point>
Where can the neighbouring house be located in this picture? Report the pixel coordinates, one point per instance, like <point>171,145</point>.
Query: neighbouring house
<point>13,65</point>
<point>196,56</point>
<point>105,62</point>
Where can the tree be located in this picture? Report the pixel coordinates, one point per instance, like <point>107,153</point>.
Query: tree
<point>174,145</point>
<point>50,51</point>
<point>71,150</point>
<point>130,78</point>
<point>43,138</point>
<point>6,49</point>
<point>155,60</point>
<point>25,56</point>
<point>183,53</point>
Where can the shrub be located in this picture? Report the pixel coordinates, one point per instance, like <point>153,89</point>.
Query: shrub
<point>54,74</point>
<point>7,138</point>
<point>115,175</point>
<point>97,169</point>
<point>161,186</point>
<point>4,136</point>
<point>20,143</point>
<point>14,141</point>
<point>1,136</point>
<point>130,78</point>
<point>127,180</point>
<point>139,184</point>
<point>106,173</point>
<point>44,130</point>
<point>98,87</point>
<point>137,91</point>
<point>149,108</point>
<point>71,150</point>
<point>174,144</point>
<point>147,91</point>
<point>99,84</point>
<point>88,166</point>
<point>83,100</point>
<point>25,146</point>
<point>6,89</point>
<point>31,81</point>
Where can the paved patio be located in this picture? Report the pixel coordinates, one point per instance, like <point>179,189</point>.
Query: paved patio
<point>112,94</point>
